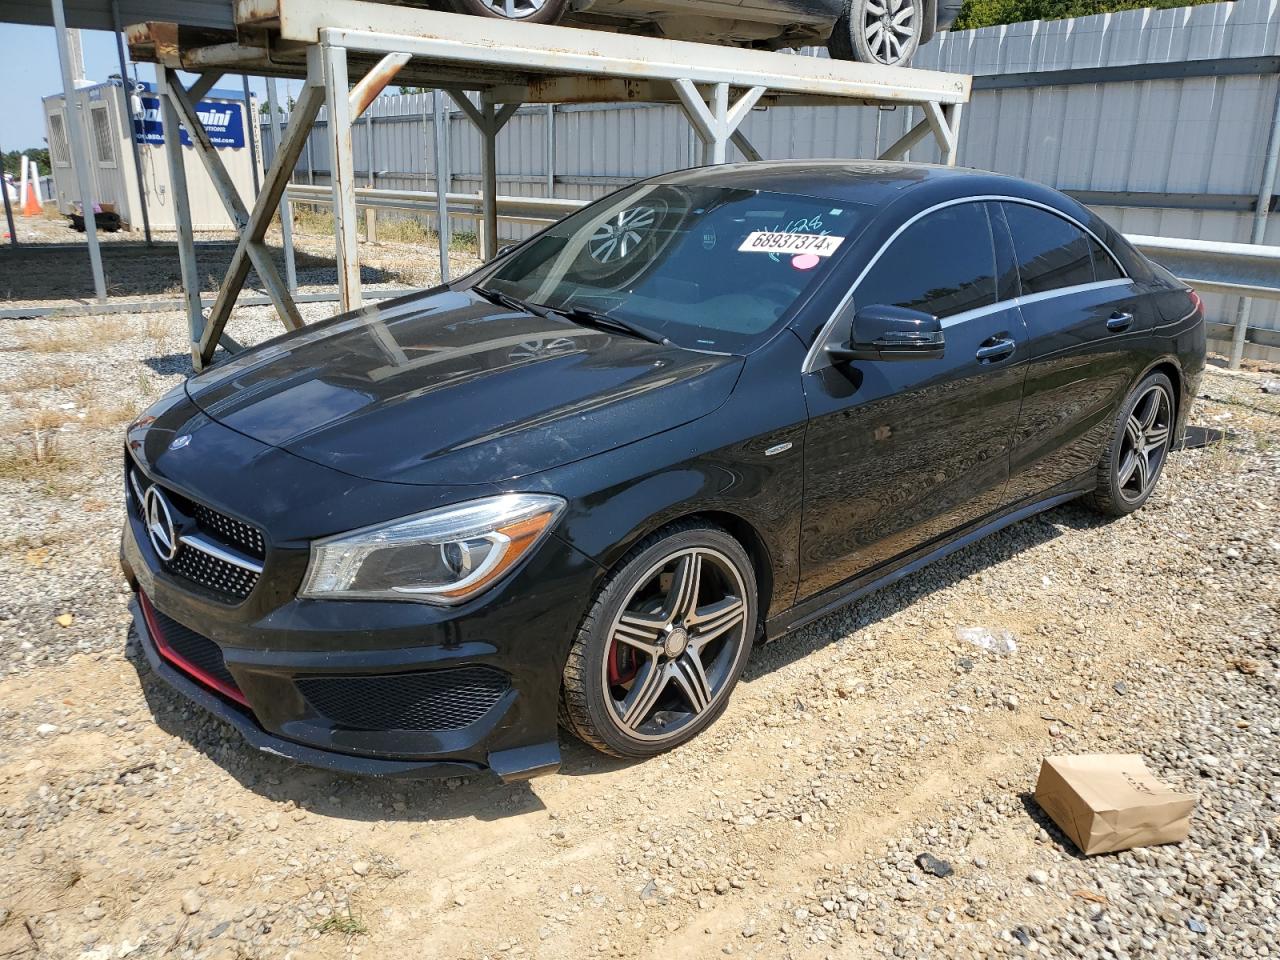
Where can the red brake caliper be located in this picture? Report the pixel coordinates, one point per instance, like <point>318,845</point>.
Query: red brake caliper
<point>623,663</point>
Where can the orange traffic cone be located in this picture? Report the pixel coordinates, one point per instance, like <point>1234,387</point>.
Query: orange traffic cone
<point>30,205</point>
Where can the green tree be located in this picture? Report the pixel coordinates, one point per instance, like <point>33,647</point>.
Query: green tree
<point>13,162</point>
<point>990,13</point>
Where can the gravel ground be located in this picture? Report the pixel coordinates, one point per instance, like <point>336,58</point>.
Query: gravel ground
<point>132,825</point>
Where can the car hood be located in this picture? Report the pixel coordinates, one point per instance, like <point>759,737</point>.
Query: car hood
<point>446,388</point>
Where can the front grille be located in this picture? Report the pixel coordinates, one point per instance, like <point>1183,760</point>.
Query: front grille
<point>192,653</point>
<point>208,559</point>
<point>213,573</point>
<point>432,701</point>
<point>229,529</point>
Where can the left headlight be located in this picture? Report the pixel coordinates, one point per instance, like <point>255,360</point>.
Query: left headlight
<point>444,556</point>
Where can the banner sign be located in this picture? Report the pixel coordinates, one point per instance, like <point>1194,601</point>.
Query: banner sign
<point>224,123</point>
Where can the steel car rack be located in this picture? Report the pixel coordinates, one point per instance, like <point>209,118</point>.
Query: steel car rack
<point>489,68</point>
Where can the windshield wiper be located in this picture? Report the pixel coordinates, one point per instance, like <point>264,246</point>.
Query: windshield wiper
<point>507,300</point>
<point>594,318</point>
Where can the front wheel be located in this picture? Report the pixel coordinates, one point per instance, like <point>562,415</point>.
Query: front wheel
<point>663,645</point>
<point>1134,460</point>
<point>530,11</point>
<point>878,31</point>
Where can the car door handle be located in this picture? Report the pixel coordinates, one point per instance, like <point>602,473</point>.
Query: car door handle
<point>1119,321</point>
<point>995,348</point>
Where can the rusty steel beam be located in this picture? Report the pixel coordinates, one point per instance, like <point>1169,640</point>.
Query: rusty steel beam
<point>343,166</point>
<point>374,82</point>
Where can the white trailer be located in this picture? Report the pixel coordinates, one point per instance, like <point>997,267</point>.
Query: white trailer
<point>111,115</point>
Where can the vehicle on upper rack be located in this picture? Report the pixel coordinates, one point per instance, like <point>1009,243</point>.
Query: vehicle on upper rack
<point>578,485</point>
<point>871,31</point>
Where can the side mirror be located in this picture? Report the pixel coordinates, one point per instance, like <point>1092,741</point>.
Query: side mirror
<point>883,332</point>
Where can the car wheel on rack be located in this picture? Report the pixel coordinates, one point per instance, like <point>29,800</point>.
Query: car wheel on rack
<point>530,11</point>
<point>878,31</point>
<point>664,643</point>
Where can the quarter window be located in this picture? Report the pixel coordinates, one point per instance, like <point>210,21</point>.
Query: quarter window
<point>1104,268</point>
<point>1051,252</point>
<point>943,264</point>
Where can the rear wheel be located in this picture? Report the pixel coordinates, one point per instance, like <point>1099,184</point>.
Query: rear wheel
<point>663,645</point>
<point>530,11</point>
<point>878,31</point>
<point>1134,460</point>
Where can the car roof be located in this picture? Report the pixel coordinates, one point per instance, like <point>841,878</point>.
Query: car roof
<point>875,183</point>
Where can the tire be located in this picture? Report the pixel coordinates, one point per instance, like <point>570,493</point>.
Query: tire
<point>605,676</point>
<point>1127,478</point>
<point>878,31</point>
<point>526,11</point>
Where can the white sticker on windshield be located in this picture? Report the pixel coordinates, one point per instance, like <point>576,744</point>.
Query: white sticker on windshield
<point>764,241</point>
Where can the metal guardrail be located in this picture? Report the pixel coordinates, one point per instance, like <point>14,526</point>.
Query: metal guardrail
<point>1210,266</point>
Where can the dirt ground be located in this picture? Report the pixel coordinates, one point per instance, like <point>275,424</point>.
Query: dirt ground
<point>134,825</point>
<point>50,266</point>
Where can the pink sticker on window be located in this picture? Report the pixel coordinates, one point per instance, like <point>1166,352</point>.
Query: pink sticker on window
<point>805,261</point>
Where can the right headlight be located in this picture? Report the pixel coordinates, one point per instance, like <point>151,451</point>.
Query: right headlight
<point>444,556</point>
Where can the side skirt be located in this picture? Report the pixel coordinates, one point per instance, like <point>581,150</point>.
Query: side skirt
<point>845,594</point>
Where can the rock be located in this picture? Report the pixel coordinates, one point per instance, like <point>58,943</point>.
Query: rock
<point>1120,687</point>
<point>191,902</point>
<point>650,890</point>
<point>1038,876</point>
<point>93,913</point>
<point>65,619</point>
<point>1195,926</point>
<point>47,729</point>
<point>722,886</point>
<point>360,868</point>
<point>932,865</point>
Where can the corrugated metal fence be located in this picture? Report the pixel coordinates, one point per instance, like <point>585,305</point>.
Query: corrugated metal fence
<point>1157,118</point>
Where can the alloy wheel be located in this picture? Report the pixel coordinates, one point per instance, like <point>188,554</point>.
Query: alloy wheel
<point>889,26</point>
<point>675,644</point>
<point>1144,443</point>
<point>515,9</point>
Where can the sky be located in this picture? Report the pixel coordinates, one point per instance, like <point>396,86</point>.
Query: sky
<point>29,71</point>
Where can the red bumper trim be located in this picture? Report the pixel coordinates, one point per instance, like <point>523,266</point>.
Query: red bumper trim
<point>157,636</point>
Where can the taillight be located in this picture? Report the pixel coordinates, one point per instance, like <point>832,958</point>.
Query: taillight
<point>1197,305</point>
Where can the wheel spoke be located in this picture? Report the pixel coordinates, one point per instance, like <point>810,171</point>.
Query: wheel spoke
<point>875,37</point>
<point>509,7</point>
<point>642,631</point>
<point>875,9</point>
<point>691,678</point>
<point>901,17</point>
<point>644,693</point>
<point>1128,466</point>
<point>1133,432</point>
<point>716,619</point>
<point>1152,408</point>
<point>682,595</point>
<point>1143,471</point>
<point>1156,437</point>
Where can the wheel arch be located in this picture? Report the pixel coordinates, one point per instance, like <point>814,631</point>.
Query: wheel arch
<point>1169,366</point>
<point>737,527</point>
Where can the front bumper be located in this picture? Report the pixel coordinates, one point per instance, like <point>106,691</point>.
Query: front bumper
<point>278,657</point>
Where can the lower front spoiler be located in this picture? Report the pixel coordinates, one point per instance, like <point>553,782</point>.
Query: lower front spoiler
<point>509,765</point>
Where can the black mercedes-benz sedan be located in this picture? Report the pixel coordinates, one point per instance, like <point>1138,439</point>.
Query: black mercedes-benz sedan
<point>578,485</point>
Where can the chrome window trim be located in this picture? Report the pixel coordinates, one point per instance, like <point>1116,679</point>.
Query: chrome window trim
<point>815,351</point>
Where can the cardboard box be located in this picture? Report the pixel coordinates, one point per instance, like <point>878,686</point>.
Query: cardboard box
<point>1106,802</point>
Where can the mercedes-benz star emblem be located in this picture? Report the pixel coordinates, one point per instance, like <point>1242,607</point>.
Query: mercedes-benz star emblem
<point>180,442</point>
<point>160,527</point>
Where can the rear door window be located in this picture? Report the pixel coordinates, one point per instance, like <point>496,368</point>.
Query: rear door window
<point>943,264</point>
<point>1052,253</point>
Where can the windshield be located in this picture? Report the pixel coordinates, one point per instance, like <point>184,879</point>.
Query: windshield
<point>710,268</point>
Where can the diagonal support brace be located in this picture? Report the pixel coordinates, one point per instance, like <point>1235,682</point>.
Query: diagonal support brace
<point>223,185</point>
<point>489,120</point>
<point>277,179</point>
<point>717,123</point>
